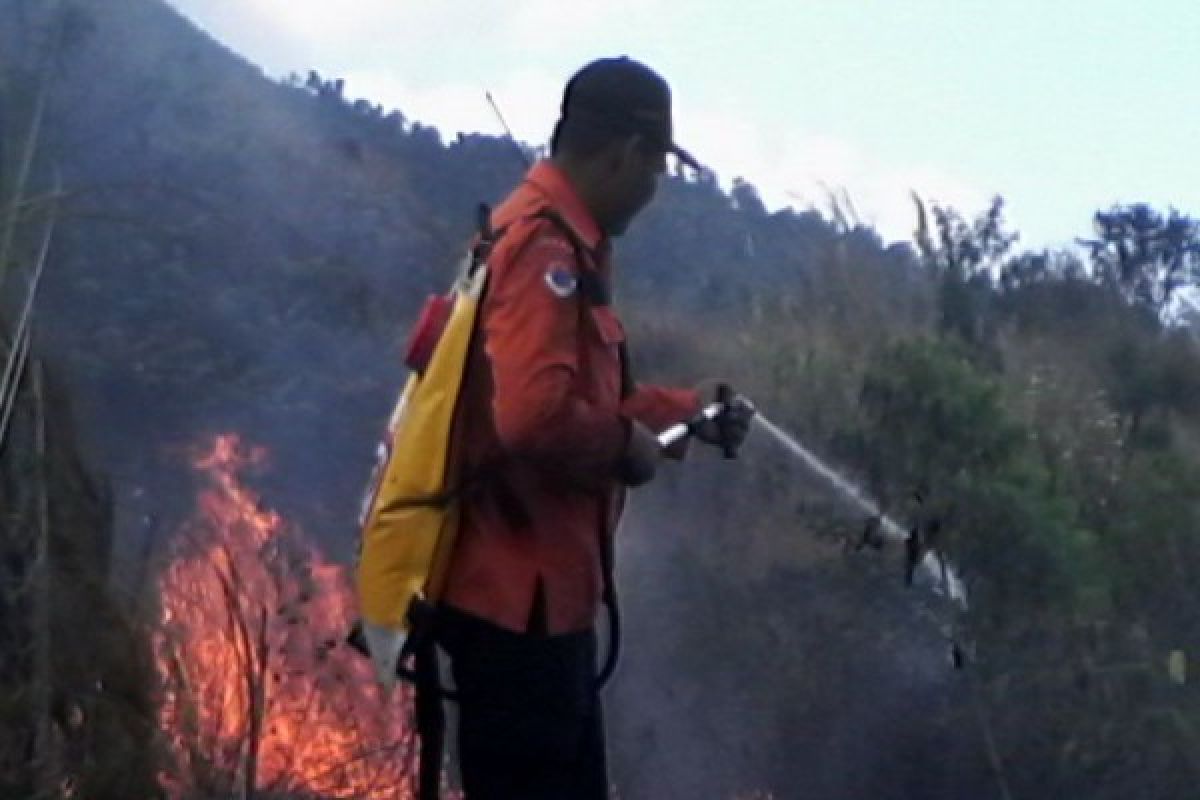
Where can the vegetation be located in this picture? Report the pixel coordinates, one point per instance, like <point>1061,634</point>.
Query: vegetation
<point>233,254</point>
<point>76,681</point>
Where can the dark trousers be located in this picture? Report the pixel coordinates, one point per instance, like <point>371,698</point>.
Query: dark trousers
<point>530,724</point>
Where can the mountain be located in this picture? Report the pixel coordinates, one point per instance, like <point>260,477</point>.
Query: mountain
<point>244,254</point>
<point>238,254</point>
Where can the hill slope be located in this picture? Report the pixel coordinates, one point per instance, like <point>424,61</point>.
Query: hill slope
<point>244,254</point>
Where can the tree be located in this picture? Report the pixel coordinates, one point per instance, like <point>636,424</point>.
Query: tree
<point>745,198</point>
<point>1032,268</point>
<point>1151,377</point>
<point>966,258</point>
<point>260,697</point>
<point>934,425</point>
<point>961,246</point>
<point>1145,255</point>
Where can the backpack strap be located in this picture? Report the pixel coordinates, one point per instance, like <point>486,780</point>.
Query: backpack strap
<point>421,645</point>
<point>595,291</point>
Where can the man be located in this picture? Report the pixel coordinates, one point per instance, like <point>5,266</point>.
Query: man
<point>554,428</point>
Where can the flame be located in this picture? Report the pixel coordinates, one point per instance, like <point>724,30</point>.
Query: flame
<point>259,693</point>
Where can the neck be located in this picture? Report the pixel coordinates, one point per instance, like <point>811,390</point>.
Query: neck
<point>584,180</point>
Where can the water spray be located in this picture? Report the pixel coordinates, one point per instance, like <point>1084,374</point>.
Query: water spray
<point>920,560</point>
<point>943,577</point>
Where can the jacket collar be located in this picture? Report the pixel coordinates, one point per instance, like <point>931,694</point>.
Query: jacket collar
<point>556,187</point>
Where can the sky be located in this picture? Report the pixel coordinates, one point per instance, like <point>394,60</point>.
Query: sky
<point>1062,107</point>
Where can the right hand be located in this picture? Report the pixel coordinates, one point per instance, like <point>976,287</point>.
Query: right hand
<point>639,462</point>
<point>730,428</point>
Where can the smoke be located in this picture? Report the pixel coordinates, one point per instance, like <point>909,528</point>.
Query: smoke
<point>815,680</point>
<point>227,266</point>
<point>295,255</point>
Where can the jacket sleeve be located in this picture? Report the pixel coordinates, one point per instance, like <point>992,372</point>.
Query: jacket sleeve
<point>658,408</point>
<point>531,340</point>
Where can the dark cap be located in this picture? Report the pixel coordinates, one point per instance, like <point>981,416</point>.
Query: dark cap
<point>624,96</point>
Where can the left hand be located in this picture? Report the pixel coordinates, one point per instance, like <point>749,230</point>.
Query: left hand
<point>730,428</point>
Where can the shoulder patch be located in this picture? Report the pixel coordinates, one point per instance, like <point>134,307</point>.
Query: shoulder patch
<point>561,281</point>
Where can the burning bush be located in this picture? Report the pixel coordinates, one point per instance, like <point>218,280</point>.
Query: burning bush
<point>259,695</point>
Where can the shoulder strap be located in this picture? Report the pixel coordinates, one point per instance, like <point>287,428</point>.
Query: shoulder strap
<point>486,237</point>
<point>593,289</point>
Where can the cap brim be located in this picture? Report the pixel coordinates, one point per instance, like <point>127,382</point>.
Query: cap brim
<point>685,157</point>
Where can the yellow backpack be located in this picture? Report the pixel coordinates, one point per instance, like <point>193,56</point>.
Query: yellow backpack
<point>408,522</point>
<point>409,519</point>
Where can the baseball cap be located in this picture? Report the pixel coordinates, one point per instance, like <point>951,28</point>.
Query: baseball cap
<point>624,96</point>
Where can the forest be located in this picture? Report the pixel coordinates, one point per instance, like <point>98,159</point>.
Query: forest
<point>206,276</point>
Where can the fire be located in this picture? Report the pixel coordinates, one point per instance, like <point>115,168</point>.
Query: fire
<point>259,693</point>
<point>260,698</point>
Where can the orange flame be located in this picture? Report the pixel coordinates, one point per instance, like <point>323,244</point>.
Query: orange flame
<point>259,693</point>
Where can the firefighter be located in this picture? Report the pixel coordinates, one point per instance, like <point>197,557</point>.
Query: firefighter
<point>554,428</point>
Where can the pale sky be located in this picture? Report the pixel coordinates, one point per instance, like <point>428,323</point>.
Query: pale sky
<point>1062,106</point>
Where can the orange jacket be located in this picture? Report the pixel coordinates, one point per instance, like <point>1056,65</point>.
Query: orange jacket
<point>544,422</point>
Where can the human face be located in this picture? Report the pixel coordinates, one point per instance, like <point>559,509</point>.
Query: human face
<point>634,181</point>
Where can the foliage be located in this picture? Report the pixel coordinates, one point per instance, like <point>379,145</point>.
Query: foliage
<point>965,258</point>
<point>964,247</point>
<point>938,430</point>
<point>242,254</point>
<point>1151,378</point>
<point>75,676</point>
<point>1145,255</point>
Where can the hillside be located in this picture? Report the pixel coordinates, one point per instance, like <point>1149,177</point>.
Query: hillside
<point>245,254</point>
<point>242,255</point>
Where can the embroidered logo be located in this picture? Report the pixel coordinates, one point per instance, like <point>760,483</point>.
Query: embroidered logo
<point>561,281</point>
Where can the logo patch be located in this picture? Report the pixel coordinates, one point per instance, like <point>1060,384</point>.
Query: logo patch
<point>561,281</point>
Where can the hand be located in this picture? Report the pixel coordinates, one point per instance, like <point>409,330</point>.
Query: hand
<point>639,463</point>
<point>729,429</point>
